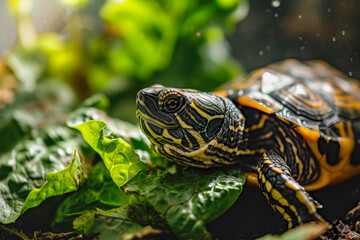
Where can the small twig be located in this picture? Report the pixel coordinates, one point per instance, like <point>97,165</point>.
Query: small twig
<point>49,235</point>
<point>15,232</point>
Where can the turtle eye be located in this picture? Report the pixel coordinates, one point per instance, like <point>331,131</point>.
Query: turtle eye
<point>173,104</point>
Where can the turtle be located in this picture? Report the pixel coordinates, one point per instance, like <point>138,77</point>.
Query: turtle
<point>293,126</point>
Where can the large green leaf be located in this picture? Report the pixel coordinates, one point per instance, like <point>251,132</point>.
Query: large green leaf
<point>33,110</point>
<point>118,156</point>
<point>38,169</point>
<point>116,128</point>
<point>99,192</point>
<point>189,198</point>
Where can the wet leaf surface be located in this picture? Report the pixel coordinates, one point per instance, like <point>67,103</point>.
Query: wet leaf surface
<point>34,171</point>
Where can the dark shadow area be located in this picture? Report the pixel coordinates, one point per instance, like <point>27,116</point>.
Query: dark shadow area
<point>251,216</point>
<point>306,30</point>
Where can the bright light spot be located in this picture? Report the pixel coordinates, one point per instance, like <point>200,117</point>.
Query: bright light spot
<point>333,39</point>
<point>299,16</point>
<point>350,74</point>
<point>276,15</point>
<point>261,53</point>
<point>343,32</point>
<point>275,3</point>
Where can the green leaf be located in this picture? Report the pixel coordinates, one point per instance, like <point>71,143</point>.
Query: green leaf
<point>83,223</point>
<point>122,223</point>
<point>119,129</point>
<point>155,30</point>
<point>28,65</point>
<point>118,156</point>
<point>98,101</point>
<point>34,171</point>
<point>26,114</point>
<point>190,198</point>
<point>57,183</point>
<point>98,192</point>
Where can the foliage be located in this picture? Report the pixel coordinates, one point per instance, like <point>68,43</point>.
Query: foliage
<point>113,184</point>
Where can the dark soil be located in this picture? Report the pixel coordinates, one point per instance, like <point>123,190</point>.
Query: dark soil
<point>349,228</point>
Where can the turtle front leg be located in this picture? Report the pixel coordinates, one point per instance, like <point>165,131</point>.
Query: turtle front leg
<point>284,194</point>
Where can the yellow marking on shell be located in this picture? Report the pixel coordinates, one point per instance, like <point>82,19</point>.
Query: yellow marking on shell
<point>278,170</point>
<point>248,101</point>
<point>268,186</point>
<point>292,185</point>
<point>232,139</point>
<point>312,135</point>
<point>306,201</point>
<point>268,162</point>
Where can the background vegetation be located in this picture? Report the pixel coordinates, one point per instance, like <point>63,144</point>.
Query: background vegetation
<point>51,83</point>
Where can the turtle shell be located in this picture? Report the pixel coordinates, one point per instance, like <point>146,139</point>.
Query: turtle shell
<point>316,100</point>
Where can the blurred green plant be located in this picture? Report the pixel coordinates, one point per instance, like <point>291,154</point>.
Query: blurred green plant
<point>139,43</point>
<point>128,189</point>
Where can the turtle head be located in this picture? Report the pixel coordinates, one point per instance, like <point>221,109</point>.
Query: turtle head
<point>187,126</point>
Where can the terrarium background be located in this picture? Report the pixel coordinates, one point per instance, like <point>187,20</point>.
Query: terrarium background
<point>271,31</point>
